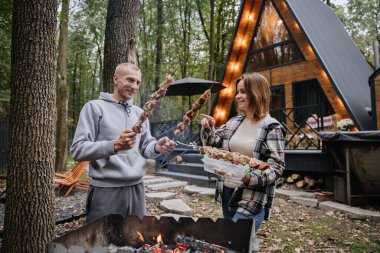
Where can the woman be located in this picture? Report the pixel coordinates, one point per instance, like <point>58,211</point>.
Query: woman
<point>256,134</point>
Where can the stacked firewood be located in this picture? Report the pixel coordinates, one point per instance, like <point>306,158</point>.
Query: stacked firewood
<point>151,103</point>
<point>307,182</point>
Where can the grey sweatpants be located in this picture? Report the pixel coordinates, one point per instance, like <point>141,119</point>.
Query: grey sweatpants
<point>127,200</point>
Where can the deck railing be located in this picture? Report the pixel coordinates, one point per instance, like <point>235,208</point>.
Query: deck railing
<point>166,128</point>
<point>302,125</point>
<point>302,130</point>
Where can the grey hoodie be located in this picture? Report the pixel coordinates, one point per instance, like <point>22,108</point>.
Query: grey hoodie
<point>100,124</point>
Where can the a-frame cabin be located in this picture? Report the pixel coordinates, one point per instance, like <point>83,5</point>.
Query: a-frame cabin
<point>303,50</point>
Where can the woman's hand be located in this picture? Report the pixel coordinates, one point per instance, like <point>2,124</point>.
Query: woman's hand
<point>220,172</point>
<point>207,121</point>
<point>246,178</point>
<point>257,164</point>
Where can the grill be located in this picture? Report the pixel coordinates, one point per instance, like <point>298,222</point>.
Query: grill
<point>119,231</point>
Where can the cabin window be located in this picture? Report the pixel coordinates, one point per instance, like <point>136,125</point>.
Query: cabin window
<point>309,99</point>
<point>272,44</point>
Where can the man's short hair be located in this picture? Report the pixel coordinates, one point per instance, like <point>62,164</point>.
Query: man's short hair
<point>126,65</point>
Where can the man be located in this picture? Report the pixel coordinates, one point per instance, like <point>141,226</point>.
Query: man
<point>116,153</point>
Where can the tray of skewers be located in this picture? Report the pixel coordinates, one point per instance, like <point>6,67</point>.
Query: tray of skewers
<point>231,165</point>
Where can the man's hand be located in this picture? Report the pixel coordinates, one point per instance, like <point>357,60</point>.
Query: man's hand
<point>164,146</point>
<point>126,140</point>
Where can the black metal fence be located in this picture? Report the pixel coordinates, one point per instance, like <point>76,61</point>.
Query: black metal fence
<point>167,128</point>
<point>300,132</point>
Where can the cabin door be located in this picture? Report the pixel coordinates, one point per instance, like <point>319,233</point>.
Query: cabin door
<point>278,103</point>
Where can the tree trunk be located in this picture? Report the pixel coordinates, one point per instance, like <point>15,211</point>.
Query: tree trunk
<point>62,90</point>
<point>29,210</point>
<point>211,42</point>
<point>74,96</point>
<point>160,24</point>
<point>157,74</point>
<point>120,37</point>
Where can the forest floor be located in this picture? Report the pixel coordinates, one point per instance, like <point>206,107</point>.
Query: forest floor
<point>292,227</point>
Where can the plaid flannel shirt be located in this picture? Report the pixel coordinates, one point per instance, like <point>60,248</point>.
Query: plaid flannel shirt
<point>251,198</point>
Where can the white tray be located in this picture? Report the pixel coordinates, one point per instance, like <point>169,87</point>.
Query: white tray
<point>232,172</point>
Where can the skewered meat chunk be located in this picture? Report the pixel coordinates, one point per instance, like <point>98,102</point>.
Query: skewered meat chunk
<point>232,157</point>
<point>192,113</point>
<point>151,103</point>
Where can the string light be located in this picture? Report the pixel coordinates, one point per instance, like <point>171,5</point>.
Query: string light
<point>221,114</point>
<point>243,42</point>
<point>339,102</point>
<point>248,16</point>
<point>234,66</point>
<point>309,48</point>
<point>323,73</point>
<point>296,26</point>
<point>228,90</point>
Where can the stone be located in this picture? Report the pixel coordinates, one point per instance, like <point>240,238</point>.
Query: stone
<point>147,177</point>
<point>191,189</point>
<point>157,180</point>
<point>168,185</point>
<point>353,212</point>
<point>287,194</point>
<point>305,201</point>
<point>160,195</point>
<point>176,206</point>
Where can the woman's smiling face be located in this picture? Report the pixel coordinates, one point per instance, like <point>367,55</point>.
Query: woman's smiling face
<point>241,97</point>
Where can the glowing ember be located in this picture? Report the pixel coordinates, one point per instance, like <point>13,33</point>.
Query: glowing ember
<point>140,236</point>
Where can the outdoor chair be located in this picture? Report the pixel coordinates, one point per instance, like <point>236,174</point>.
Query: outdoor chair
<point>71,178</point>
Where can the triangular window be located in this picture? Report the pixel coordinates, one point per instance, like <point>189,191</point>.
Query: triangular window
<point>272,44</point>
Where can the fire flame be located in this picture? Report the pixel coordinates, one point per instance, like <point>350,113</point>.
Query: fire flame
<point>159,239</point>
<point>140,236</point>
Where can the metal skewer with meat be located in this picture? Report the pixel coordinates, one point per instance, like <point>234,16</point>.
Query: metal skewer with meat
<point>192,113</point>
<point>152,102</point>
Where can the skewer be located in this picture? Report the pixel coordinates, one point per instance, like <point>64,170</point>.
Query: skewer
<point>151,103</point>
<point>192,113</point>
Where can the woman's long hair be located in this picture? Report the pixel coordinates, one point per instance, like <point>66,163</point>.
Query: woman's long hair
<point>258,94</point>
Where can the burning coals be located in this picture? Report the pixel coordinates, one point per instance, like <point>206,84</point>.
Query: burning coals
<point>132,234</point>
<point>184,244</point>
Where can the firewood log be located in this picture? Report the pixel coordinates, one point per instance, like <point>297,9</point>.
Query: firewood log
<point>300,184</point>
<point>290,180</point>
<point>311,184</point>
<point>296,176</point>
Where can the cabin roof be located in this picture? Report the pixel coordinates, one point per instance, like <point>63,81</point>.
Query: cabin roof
<point>373,76</point>
<point>344,64</point>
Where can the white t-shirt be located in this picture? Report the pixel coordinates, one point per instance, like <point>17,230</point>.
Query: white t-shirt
<point>245,137</point>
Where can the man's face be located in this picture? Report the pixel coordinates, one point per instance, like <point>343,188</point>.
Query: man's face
<point>127,83</point>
